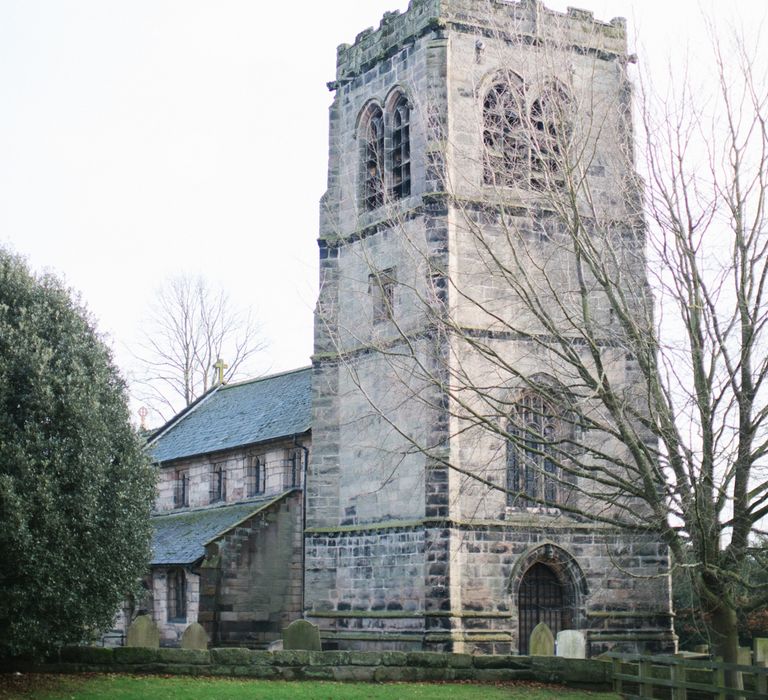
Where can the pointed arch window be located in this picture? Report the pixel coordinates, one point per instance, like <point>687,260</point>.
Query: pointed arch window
<point>504,135</point>
<point>524,134</point>
<point>373,159</point>
<point>256,476</point>
<point>535,437</point>
<point>400,153</point>
<point>550,129</point>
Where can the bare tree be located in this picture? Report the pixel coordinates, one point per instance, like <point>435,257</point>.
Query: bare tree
<point>597,342</point>
<point>189,328</point>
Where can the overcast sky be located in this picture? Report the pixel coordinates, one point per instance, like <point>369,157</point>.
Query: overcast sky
<point>144,138</point>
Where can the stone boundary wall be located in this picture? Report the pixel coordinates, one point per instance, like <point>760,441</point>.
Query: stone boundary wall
<point>332,665</point>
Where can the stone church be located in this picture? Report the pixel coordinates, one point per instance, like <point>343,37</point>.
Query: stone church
<point>431,482</point>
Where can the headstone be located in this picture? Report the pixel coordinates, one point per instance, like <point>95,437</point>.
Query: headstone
<point>194,637</point>
<point>143,632</point>
<point>542,641</point>
<point>572,644</point>
<point>745,656</point>
<point>760,645</point>
<point>301,634</point>
<point>701,648</point>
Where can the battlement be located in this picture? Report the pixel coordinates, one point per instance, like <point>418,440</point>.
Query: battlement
<point>508,18</point>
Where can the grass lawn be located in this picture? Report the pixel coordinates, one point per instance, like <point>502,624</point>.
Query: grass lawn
<point>119,687</point>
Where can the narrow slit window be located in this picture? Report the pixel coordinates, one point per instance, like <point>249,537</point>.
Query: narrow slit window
<point>181,490</point>
<point>381,286</point>
<point>218,490</point>
<point>177,595</point>
<point>256,477</point>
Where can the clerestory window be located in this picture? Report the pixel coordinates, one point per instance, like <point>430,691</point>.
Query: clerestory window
<point>218,490</point>
<point>256,476</point>
<point>181,489</point>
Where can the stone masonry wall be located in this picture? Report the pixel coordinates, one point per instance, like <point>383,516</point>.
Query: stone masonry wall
<point>251,578</point>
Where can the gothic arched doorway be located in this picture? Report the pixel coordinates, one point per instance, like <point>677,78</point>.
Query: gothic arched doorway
<point>541,598</point>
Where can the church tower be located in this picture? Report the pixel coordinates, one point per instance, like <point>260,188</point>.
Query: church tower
<point>471,143</point>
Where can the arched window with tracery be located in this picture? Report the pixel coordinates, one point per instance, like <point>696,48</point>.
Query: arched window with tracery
<point>533,450</point>
<point>504,137</point>
<point>524,134</point>
<point>373,158</point>
<point>400,152</point>
<point>550,129</point>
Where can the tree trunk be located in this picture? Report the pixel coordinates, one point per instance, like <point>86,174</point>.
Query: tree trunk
<point>726,641</point>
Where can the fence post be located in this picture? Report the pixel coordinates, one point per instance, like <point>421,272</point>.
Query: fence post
<point>718,675</point>
<point>617,685</point>
<point>646,679</point>
<point>677,676</point>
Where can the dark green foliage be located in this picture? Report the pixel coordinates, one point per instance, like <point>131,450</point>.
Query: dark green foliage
<point>75,486</point>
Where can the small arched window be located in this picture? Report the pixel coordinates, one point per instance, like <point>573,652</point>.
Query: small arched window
<point>373,159</point>
<point>400,154</point>
<point>535,437</point>
<point>255,476</point>
<point>504,134</point>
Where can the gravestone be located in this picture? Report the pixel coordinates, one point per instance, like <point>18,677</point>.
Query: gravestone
<point>303,635</point>
<point>760,645</point>
<point>194,637</point>
<point>143,632</point>
<point>542,641</point>
<point>745,656</point>
<point>572,644</point>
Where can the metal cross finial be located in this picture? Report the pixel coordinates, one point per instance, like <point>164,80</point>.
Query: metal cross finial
<point>143,413</point>
<point>221,366</point>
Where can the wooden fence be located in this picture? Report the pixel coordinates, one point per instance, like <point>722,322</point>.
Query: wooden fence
<point>674,678</point>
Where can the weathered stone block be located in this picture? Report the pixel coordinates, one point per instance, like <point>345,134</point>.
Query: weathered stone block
<point>135,655</point>
<point>329,658</point>
<point>354,673</point>
<point>459,660</point>
<point>183,656</point>
<point>427,659</point>
<point>364,658</point>
<point>233,657</point>
<point>294,657</point>
<point>393,658</point>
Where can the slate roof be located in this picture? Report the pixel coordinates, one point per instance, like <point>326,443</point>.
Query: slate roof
<point>233,415</point>
<point>180,538</point>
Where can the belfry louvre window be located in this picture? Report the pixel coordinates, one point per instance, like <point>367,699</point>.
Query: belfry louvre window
<point>525,133</point>
<point>400,156</point>
<point>218,491</point>
<point>535,434</point>
<point>256,476</point>
<point>504,134</point>
<point>181,489</point>
<point>177,595</point>
<point>373,159</point>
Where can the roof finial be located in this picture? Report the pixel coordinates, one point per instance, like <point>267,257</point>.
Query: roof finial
<point>221,366</point>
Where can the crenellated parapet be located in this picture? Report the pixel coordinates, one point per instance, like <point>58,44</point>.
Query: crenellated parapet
<point>576,28</point>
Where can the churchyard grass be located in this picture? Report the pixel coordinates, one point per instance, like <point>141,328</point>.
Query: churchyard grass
<point>123,687</point>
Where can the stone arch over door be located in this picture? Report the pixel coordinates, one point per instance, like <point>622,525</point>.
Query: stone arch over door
<point>547,585</point>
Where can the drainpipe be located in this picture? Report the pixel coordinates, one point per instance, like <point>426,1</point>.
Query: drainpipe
<point>303,520</point>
